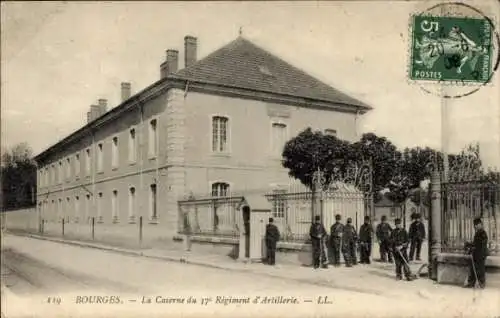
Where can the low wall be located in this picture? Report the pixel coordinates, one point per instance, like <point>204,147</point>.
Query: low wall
<point>454,268</point>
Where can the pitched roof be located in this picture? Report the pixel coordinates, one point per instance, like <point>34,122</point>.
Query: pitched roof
<point>244,65</point>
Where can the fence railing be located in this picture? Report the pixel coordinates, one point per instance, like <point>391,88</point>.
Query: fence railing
<point>461,203</point>
<point>219,216</point>
<point>292,213</point>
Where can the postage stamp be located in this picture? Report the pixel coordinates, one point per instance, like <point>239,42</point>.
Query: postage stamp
<point>451,49</point>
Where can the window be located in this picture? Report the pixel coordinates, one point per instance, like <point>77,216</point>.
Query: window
<point>132,146</point>
<point>99,207</point>
<point>53,173</point>
<point>393,211</point>
<point>278,138</point>
<point>60,172</point>
<point>60,209</point>
<point>99,157</point>
<point>219,134</point>
<point>77,165</point>
<point>114,153</point>
<point>153,134</point>
<point>68,168</point>
<point>220,189</point>
<point>40,178</point>
<point>153,202</point>
<point>131,203</point>
<point>77,209</point>
<point>114,206</point>
<point>47,176</point>
<point>88,162</point>
<point>87,208</point>
<point>331,132</point>
<point>279,204</point>
<point>68,207</point>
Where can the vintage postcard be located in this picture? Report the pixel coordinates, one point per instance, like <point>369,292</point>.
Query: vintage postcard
<point>250,159</point>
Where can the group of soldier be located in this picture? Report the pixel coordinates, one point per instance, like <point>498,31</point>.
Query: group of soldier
<point>393,243</point>
<point>345,239</point>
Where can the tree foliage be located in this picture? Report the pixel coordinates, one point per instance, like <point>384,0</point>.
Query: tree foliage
<point>401,172</point>
<point>310,151</point>
<point>18,175</point>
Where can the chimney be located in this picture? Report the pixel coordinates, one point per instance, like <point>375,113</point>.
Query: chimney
<point>189,50</point>
<point>125,91</point>
<point>103,103</point>
<point>95,112</point>
<point>171,65</point>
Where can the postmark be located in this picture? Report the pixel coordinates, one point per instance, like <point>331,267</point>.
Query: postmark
<point>453,45</point>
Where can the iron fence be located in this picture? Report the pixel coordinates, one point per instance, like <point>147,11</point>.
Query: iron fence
<point>461,203</point>
<point>214,216</point>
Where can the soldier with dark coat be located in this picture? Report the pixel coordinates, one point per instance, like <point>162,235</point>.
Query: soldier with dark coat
<point>400,240</point>
<point>272,238</point>
<point>349,239</point>
<point>478,250</point>
<point>365,241</point>
<point>383,233</point>
<point>417,236</point>
<point>318,233</point>
<point>336,231</point>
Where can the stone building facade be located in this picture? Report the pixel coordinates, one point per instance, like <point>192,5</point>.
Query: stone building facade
<point>215,127</point>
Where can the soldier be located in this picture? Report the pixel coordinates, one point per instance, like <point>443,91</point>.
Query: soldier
<point>317,234</point>
<point>272,237</point>
<point>349,239</point>
<point>365,240</point>
<point>417,235</point>
<point>336,232</point>
<point>383,236</point>
<point>479,251</point>
<point>399,240</point>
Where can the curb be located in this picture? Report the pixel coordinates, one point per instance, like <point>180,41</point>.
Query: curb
<point>200,263</point>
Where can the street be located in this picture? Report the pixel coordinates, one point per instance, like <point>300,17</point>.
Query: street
<point>44,279</point>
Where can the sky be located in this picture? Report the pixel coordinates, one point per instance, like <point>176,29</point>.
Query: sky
<point>59,58</point>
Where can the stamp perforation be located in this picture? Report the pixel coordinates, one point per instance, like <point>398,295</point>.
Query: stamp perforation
<point>493,48</point>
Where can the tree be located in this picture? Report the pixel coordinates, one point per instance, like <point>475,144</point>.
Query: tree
<point>309,151</point>
<point>381,154</point>
<point>18,175</point>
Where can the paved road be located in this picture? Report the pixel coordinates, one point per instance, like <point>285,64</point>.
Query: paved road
<point>37,272</point>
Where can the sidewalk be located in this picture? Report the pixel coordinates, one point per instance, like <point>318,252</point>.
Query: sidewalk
<point>375,279</point>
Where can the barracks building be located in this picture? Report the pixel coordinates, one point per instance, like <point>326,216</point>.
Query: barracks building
<point>215,126</point>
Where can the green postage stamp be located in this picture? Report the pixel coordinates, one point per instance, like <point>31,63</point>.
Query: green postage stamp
<point>451,49</point>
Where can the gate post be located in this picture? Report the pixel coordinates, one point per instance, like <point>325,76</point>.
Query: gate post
<point>434,243</point>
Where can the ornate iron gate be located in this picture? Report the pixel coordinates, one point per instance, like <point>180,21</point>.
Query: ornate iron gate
<point>461,202</point>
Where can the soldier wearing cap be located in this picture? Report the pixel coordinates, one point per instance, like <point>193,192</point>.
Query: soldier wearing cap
<point>383,233</point>
<point>336,231</point>
<point>478,250</point>
<point>349,239</point>
<point>365,240</point>
<point>272,237</point>
<point>417,236</point>
<point>317,233</point>
<point>399,240</point>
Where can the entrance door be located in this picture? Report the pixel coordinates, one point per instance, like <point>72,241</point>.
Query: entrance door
<point>246,223</point>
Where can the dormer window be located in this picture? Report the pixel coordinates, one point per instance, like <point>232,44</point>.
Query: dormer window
<point>264,70</point>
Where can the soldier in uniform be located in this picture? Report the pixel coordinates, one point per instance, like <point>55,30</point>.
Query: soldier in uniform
<point>417,235</point>
<point>349,239</point>
<point>479,251</point>
<point>272,238</point>
<point>365,240</point>
<point>317,233</point>
<point>336,232</point>
<point>383,233</point>
<point>400,240</point>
